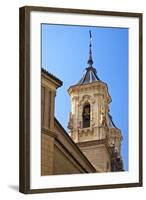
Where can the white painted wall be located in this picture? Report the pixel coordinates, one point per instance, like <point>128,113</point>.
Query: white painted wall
<point>9,78</point>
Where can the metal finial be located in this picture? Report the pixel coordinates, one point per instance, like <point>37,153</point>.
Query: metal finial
<point>90,60</point>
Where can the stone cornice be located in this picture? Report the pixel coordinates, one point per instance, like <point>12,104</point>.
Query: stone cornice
<point>98,86</point>
<point>49,132</point>
<point>51,78</point>
<point>94,143</point>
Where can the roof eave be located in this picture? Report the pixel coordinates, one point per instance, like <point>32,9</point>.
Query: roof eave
<point>58,83</point>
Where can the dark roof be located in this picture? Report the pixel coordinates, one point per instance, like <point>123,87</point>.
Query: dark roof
<point>89,76</point>
<point>52,76</point>
<point>110,121</point>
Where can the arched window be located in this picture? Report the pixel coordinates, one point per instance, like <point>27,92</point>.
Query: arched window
<point>86,116</point>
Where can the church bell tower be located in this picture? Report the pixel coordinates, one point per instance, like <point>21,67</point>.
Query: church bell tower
<point>90,123</point>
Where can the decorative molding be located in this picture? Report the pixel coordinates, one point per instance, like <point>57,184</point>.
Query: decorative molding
<point>48,132</point>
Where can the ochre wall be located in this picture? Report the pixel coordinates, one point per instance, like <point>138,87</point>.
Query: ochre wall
<point>63,164</point>
<point>59,154</point>
<point>98,156</point>
<point>47,154</point>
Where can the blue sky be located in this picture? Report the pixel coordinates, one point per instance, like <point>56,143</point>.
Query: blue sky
<point>65,54</point>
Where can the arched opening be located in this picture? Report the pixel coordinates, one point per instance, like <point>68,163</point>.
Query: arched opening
<point>86,115</point>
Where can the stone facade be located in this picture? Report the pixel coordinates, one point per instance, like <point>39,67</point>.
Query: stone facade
<point>97,96</point>
<point>100,129</point>
<point>98,154</point>
<point>59,154</point>
<point>47,154</point>
<point>48,91</point>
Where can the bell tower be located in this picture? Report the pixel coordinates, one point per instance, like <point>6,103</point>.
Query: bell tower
<point>91,126</point>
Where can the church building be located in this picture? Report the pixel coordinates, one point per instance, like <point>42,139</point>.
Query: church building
<point>93,143</point>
